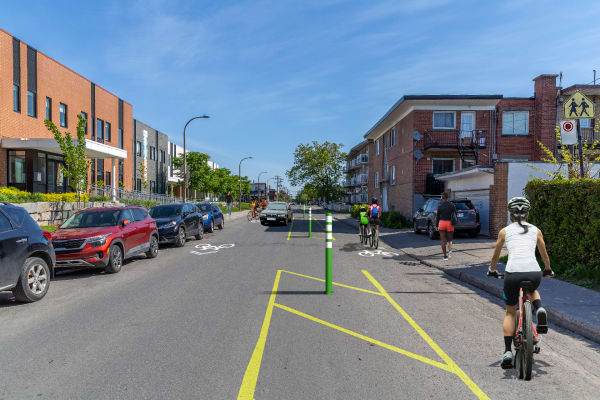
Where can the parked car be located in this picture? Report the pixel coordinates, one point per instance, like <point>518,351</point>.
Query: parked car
<point>27,258</point>
<point>468,217</point>
<point>105,237</point>
<point>276,212</point>
<point>212,216</point>
<point>177,222</point>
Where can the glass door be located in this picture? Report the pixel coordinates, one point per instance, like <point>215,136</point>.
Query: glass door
<point>52,175</point>
<point>467,124</point>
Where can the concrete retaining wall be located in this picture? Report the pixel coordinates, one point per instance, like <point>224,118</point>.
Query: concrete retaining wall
<point>57,213</point>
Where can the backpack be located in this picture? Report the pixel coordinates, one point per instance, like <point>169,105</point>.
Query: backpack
<point>375,212</point>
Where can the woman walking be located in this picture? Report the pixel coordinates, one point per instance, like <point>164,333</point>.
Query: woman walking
<point>445,212</point>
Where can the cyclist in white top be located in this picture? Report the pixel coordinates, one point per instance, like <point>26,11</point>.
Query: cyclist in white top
<point>521,239</point>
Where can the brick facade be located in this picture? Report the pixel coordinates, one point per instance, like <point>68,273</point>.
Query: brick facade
<point>62,85</point>
<point>498,199</point>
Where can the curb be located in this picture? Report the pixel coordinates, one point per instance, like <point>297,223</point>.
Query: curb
<point>563,320</point>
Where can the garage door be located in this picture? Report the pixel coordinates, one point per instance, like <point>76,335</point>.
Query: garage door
<point>481,201</point>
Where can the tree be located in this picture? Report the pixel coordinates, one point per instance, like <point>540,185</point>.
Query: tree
<point>76,166</point>
<point>143,177</point>
<point>320,165</point>
<point>201,175</point>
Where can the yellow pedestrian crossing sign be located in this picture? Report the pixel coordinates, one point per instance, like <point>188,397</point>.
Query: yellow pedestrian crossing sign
<point>579,106</point>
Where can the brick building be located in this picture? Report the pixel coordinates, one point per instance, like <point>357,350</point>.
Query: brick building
<point>458,138</point>
<point>33,88</point>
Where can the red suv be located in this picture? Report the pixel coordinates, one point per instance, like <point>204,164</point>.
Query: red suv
<point>104,237</point>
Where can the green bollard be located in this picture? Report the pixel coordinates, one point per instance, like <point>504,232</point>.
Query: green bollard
<point>309,221</point>
<point>328,251</point>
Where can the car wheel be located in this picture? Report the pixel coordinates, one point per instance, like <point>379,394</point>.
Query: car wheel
<point>474,233</point>
<point>415,227</point>
<point>200,234</point>
<point>180,242</point>
<point>153,250</point>
<point>431,231</point>
<point>115,259</point>
<point>222,224</point>
<point>211,229</point>
<point>263,223</point>
<point>34,281</point>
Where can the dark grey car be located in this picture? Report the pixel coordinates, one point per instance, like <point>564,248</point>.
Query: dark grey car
<point>468,217</point>
<point>277,212</point>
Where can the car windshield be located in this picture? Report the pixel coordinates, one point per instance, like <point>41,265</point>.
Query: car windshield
<point>462,206</point>
<point>276,207</point>
<point>90,219</point>
<point>204,207</point>
<point>169,211</point>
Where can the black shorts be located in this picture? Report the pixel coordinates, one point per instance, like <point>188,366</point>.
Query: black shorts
<point>374,221</point>
<point>512,280</point>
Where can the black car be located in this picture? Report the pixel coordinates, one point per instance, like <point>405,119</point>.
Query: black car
<point>212,216</point>
<point>277,212</point>
<point>177,222</point>
<point>468,217</point>
<point>27,257</point>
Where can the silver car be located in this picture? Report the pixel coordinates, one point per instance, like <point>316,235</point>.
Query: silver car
<point>277,212</point>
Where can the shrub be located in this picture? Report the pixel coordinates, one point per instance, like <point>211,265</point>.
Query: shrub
<point>14,195</point>
<point>69,197</point>
<point>99,198</point>
<point>568,213</point>
<point>394,220</point>
<point>355,212</point>
<point>142,203</point>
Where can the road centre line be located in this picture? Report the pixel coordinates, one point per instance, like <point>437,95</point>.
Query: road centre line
<point>322,227</point>
<point>453,367</point>
<point>398,350</point>
<point>335,283</point>
<point>251,375</point>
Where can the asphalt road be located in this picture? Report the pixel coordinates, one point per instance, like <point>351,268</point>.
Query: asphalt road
<point>205,323</point>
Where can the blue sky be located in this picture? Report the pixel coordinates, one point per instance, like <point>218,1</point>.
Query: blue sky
<point>273,74</point>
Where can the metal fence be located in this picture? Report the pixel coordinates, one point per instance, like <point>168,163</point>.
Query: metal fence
<point>123,194</point>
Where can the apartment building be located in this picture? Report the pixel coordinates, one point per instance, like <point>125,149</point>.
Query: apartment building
<point>424,140</point>
<point>357,173</point>
<point>35,87</point>
<point>151,159</point>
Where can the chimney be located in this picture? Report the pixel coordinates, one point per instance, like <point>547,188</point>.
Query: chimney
<point>544,114</point>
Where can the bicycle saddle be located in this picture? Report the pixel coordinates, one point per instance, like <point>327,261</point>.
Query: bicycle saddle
<point>526,285</point>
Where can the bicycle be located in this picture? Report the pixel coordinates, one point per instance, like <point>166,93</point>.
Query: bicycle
<point>253,215</point>
<point>374,238</point>
<point>363,234</point>
<point>526,338</point>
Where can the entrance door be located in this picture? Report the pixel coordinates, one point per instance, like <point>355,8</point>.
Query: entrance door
<point>56,178</point>
<point>467,124</point>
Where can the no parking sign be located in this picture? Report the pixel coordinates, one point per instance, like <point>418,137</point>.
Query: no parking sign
<point>568,133</point>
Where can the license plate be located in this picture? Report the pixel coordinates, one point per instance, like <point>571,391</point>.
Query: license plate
<point>271,219</point>
<point>461,214</point>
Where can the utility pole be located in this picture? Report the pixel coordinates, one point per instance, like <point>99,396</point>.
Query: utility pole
<point>278,180</point>
<point>185,172</point>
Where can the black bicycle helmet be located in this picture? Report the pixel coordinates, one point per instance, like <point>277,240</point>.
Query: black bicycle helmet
<point>374,200</point>
<point>519,206</point>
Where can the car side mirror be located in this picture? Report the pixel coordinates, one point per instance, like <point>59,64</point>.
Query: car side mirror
<point>126,222</point>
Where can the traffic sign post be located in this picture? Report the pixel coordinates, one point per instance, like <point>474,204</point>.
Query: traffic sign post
<point>576,107</point>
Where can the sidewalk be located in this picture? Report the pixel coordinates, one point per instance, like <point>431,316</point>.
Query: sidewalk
<point>234,215</point>
<point>569,306</point>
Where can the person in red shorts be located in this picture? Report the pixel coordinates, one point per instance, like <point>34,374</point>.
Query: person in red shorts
<point>444,223</point>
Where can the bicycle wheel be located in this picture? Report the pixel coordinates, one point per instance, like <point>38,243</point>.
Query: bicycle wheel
<point>371,237</point>
<point>517,364</point>
<point>376,239</point>
<point>249,216</point>
<point>527,343</point>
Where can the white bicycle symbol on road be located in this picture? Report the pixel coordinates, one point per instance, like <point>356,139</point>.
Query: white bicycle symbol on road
<point>206,248</point>
<point>373,253</point>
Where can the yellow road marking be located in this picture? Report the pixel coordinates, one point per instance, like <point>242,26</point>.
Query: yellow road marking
<point>291,226</point>
<point>251,375</point>
<point>452,367</point>
<point>398,350</point>
<point>322,227</point>
<point>335,283</point>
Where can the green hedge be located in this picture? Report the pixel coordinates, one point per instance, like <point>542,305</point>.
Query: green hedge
<point>568,213</point>
<point>389,219</point>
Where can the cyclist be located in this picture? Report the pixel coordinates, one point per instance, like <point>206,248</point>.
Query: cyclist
<point>374,213</point>
<point>444,225</point>
<point>363,221</point>
<point>255,205</point>
<point>521,239</point>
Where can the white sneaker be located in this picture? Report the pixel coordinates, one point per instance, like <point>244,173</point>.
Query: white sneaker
<point>450,254</point>
<point>445,258</point>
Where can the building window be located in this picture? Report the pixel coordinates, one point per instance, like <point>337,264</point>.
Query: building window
<point>16,98</point>
<point>108,181</point>
<point>152,187</point>
<point>63,115</point>
<point>377,179</point>
<point>515,123</point>
<point>377,147</point>
<point>152,151</point>
<point>40,175</point>
<point>444,120</point>
<point>120,138</point>
<point>93,169</point>
<point>85,127</point>
<point>107,131</point>
<point>467,124</point>
<point>162,156</point>
<point>99,129</point>
<point>16,166</point>
<point>393,174</point>
<point>138,148</point>
<point>48,108</point>
<point>393,136</point>
<point>442,165</point>
<point>31,106</point>
<point>138,185</point>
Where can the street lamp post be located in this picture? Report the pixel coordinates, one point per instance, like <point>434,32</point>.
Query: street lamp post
<point>185,173</point>
<point>269,187</point>
<point>258,184</point>
<point>240,180</point>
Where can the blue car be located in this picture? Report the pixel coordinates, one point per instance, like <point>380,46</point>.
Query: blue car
<point>177,222</point>
<point>211,215</point>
